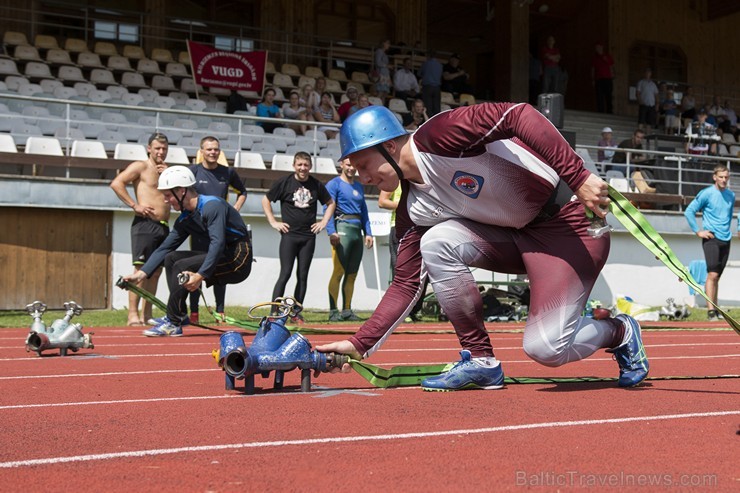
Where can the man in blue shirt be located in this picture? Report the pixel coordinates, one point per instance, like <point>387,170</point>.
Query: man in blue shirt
<point>227,261</point>
<point>431,82</point>
<point>716,204</point>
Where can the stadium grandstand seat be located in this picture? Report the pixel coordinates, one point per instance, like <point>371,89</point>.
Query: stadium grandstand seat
<point>83,88</point>
<point>69,74</point>
<point>360,88</point>
<point>117,92</point>
<point>179,97</point>
<point>148,67</point>
<point>8,67</point>
<point>467,99</point>
<point>220,129</point>
<point>613,173</point>
<point>64,92</point>
<point>249,160</point>
<point>299,147</point>
<point>444,107</point>
<point>314,72</point>
<point>619,184</point>
<point>45,42</point>
<point>132,99</point>
<point>333,86</point>
<point>113,119</point>
<point>398,105</point>
<point>106,49</point>
<point>76,116</point>
<point>288,135</point>
<point>185,124</point>
<point>282,162</point>
<point>241,142</point>
<point>133,80</point>
<point>164,102</point>
<point>102,77</point>
<point>76,45</point>
<point>48,85</point>
<point>447,98</point>
<point>99,96</point>
<point>316,135</point>
<point>270,68</point>
<point>14,82</point>
<point>91,129</point>
<point>21,130</point>
<point>304,79</point>
<point>162,55</point>
<point>56,57</point>
<point>177,155</point>
<point>66,136</point>
<point>184,58</point>
<point>267,150</point>
<point>255,132</point>
<point>148,94</point>
<point>30,90</point>
<point>89,60</point>
<point>361,77</point>
<point>219,91</point>
<point>338,74</point>
<point>326,166</point>
<point>195,104</point>
<point>34,113</point>
<point>7,143</point>
<point>176,70</point>
<point>290,69</point>
<point>330,152</point>
<point>163,83</point>
<point>25,53</point>
<point>283,80</point>
<point>279,96</point>
<point>88,149</point>
<point>188,86</point>
<point>14,38</point>
<point>48,146</point>
<point>276,141</point>
<point>37,71</point>
<point>117,63</point>
<point>133,52</point>
<point>130,152</point>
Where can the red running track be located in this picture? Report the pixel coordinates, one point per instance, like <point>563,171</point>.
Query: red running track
<point>139,414</point>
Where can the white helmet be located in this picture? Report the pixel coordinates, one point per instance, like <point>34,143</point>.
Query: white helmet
<point>176,176</point>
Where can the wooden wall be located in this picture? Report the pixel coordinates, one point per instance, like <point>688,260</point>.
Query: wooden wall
<point>54,255</point>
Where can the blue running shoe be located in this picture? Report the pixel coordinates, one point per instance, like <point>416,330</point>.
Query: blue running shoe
<point>163,330</point>
<point>630,355</point>
<point>165,320</point>
<point>466,374</point>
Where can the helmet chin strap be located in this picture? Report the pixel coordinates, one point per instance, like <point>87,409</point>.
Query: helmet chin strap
<point>181,199</point>
<point>384,152</point>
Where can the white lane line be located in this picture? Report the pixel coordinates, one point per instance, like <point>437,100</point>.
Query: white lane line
<point>354,439</point>
<point>107,374</point>
<point>85,356</point>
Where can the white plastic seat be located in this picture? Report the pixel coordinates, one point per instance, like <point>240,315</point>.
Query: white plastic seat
<point>90,60</point>
<point>163,83</point>
<point>447,98</point>
<point>267,150</point>
<point>116,92</point>
<point>76,45</point>
<point>102,77</point>
<point>220,129</point>
<point>48,85</point>
<point>149,67</point>
<point>299,147</point>
<point>254,131</point>
<point>14,82</point>
<point>105,48</point>
<point>314,72</point>
<point>326,166</point>
<point>133,52</point>
<point>7,143</point>
<point>88,149</point>
<point>59,57</point>
<point>249,160</point>
<point>45,42</point>
<point>333,86</point>
<point>132,99</point>
<point>620,184</point>
<point>337,74</point>
<point>283,80</point>
<point>304,79</point>
<point>14,38</point>
<point>130,152</point>
<point>277,142</point>
<point>30,89</point>
<point>133,80</point>
<point>25,53</point>
<point>8,67</point>
<point>161,55</point>
<point>99,96</point>
<point>398,105</point>
<point>84,88</point>
<point>48,146</point>
<point>282,162</point>
<point>613,173</point>
<point>148,94</point>
<point>176,70</point>
<point>270,67</point>
<point>290,69</point>
<point>179,97</point>
<point>21,129</point>
<point>330,152</point>
<point>286,134</point>
<point>177,155</point>
<point>188,86</point>
<point>67,135</point>
<point>195,104</point>
<point>68,73</point>
<point>117,63</point>
<point>113,120</point>
<point>38,71</point>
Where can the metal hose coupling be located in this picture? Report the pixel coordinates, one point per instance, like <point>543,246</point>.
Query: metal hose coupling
<point>62,334</point>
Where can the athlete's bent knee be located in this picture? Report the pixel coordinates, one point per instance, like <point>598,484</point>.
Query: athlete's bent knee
<point>544,355</point>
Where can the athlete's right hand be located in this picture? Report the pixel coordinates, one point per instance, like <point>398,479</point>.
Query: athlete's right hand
<point>341,347</point>
<point>143,210</point>
<point>281,227</point>
<point>137,276</point>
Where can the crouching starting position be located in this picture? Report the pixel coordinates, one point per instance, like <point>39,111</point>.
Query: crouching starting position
<point>216,224</point>
<point>490,186</point>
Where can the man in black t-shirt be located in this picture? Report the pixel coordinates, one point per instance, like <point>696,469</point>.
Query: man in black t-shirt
<point>213,179</point>
<point>298,195</point>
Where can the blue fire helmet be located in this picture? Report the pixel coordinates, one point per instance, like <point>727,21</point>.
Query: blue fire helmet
<point>368,127</point>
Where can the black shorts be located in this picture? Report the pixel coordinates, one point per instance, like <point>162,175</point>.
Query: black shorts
<point>716,253</point>
<point>146,236</point>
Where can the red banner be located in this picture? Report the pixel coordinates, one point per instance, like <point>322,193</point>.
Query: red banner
<point>227,69</point>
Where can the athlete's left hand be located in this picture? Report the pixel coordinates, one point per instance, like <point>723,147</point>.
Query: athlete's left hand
<point>318,227</point>
<point>194,281</point>
<point>369,241</point>
<point>594,194</point>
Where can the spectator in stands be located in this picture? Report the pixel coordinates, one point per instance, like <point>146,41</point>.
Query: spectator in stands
<point>417,116</point>
<point>213,179</point>
<point>227,261</point>
<point>717,110</point>
<point>688,107</point>
<point>382,71</point>
<point>389,201</point>
<point>404,81</point>
<point>310,100</point>
<point>607,140</point>
<point>345,108</point>
<point>730,123</point>
<point>454,78</point>
<point>327,113</point>
<point>716,204</point>
<point>150,226</point>
<point>431,81</point>
<point>670,111</point>
<point>602,77</point>
<point>268,108</point>
<point>363,101</point>
<point>298,194</point>
<point>293,110</point>
<point>647,98</point>
<point>348,228</point>
<point>702,135</point>
<point>236,102</point>
<point>620,157</point>
<point>551,73</point>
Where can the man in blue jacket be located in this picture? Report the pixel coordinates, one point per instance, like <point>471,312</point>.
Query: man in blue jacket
<point>716,203</point>
<point>210,219</point>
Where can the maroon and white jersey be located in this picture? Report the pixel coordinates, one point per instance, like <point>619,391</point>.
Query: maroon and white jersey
<point>494,163</point>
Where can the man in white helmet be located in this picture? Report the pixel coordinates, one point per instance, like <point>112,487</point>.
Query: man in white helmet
<point>212,220</point>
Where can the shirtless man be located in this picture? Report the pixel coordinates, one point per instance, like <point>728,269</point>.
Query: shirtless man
<point>150,226</point>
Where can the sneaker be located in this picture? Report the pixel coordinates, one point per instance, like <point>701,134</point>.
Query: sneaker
<point>194,317</point>
<point>712,316</point>
<point>334,316</point>
<point>350,316</point>
<point>630,355</point>
<point>166,320</point>
<point>466,374</point>
<point>162,330</point>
